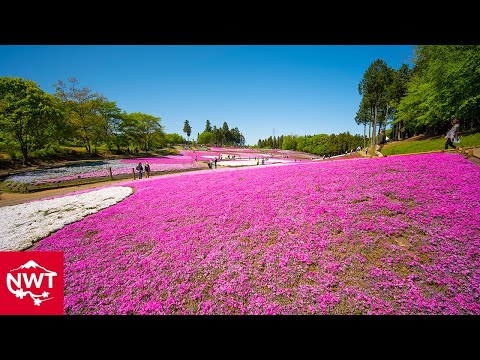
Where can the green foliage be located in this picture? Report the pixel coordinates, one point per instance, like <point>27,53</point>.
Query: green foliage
<point>289,142</point>
<point>29,118</point>
<point>206,138</point>
<point>445,84</point>
<point>208,126</point>
<point>143,130</point>
<point>320,144</point>
<point>173,139</point>
<point>222,136</point>
<point>50,153</point>
<point>83,111</point>
<point>374,87</point>
<point>187,129</point>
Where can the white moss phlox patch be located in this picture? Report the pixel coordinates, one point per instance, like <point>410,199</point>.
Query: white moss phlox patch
<point>22,225</point>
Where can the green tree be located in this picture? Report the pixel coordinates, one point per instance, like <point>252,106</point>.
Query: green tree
<point>187,129</point>
<point>225,133</point>
<point>206,138</point>
<point>363,117</point>
<point>237,137</point>
<point>174,139</point>
<point>373,88</point>
<point>289,142</point>
<point>116,135</point>
<point>143,130</point>
<point>29,117</point>
<point>208,126</point>
<point>445,83</point>
<point>105,129</point>
<point>81,108</point>
<point>217,136</point>
<point>397,91</point>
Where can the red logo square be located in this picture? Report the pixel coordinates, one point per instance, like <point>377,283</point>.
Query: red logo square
<point>31,283</point>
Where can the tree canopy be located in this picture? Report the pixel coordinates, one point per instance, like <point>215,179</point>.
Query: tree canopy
<point>444,83</point>
<point>221,136</point>
<point>187,129</point>
<point>321,144</point>
<point>32,120</point>
<point>29,117</point>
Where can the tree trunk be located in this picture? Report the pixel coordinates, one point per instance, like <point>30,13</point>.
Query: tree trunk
<point>370,133</point>
<point>374,130</point>
<point>364,135</point>
<point>23,148</point>
<point>386,115</point>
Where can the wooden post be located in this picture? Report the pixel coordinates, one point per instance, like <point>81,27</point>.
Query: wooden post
<point>133,171</point>
<point>110,171</point>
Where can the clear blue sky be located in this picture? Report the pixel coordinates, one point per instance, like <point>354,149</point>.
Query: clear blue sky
<point>297,89</point>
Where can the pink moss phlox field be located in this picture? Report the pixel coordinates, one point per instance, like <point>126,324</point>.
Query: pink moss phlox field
<point>393,235</point>
<point>169,159</point>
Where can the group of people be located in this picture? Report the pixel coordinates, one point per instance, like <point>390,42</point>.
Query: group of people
<point>140,168</point>
<point>211,164</point>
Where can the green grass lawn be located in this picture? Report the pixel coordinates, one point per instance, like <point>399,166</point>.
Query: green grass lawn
<point>431,144</point>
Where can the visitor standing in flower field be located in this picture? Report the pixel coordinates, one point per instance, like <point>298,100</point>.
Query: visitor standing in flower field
<point>382,139</point>
<point>147,170</point>
<point>452,134</point>
<point>140,170</point>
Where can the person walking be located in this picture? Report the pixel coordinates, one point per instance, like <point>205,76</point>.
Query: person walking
<point>381,141</point>
<point>140,170</point>
<point>147,170</point>
<point>215,163</point>
<point>452,134</point>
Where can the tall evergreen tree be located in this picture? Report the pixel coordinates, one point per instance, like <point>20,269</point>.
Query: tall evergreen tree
<point>373,88</point>
<point>208,126</point>
<point>187,129</point>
